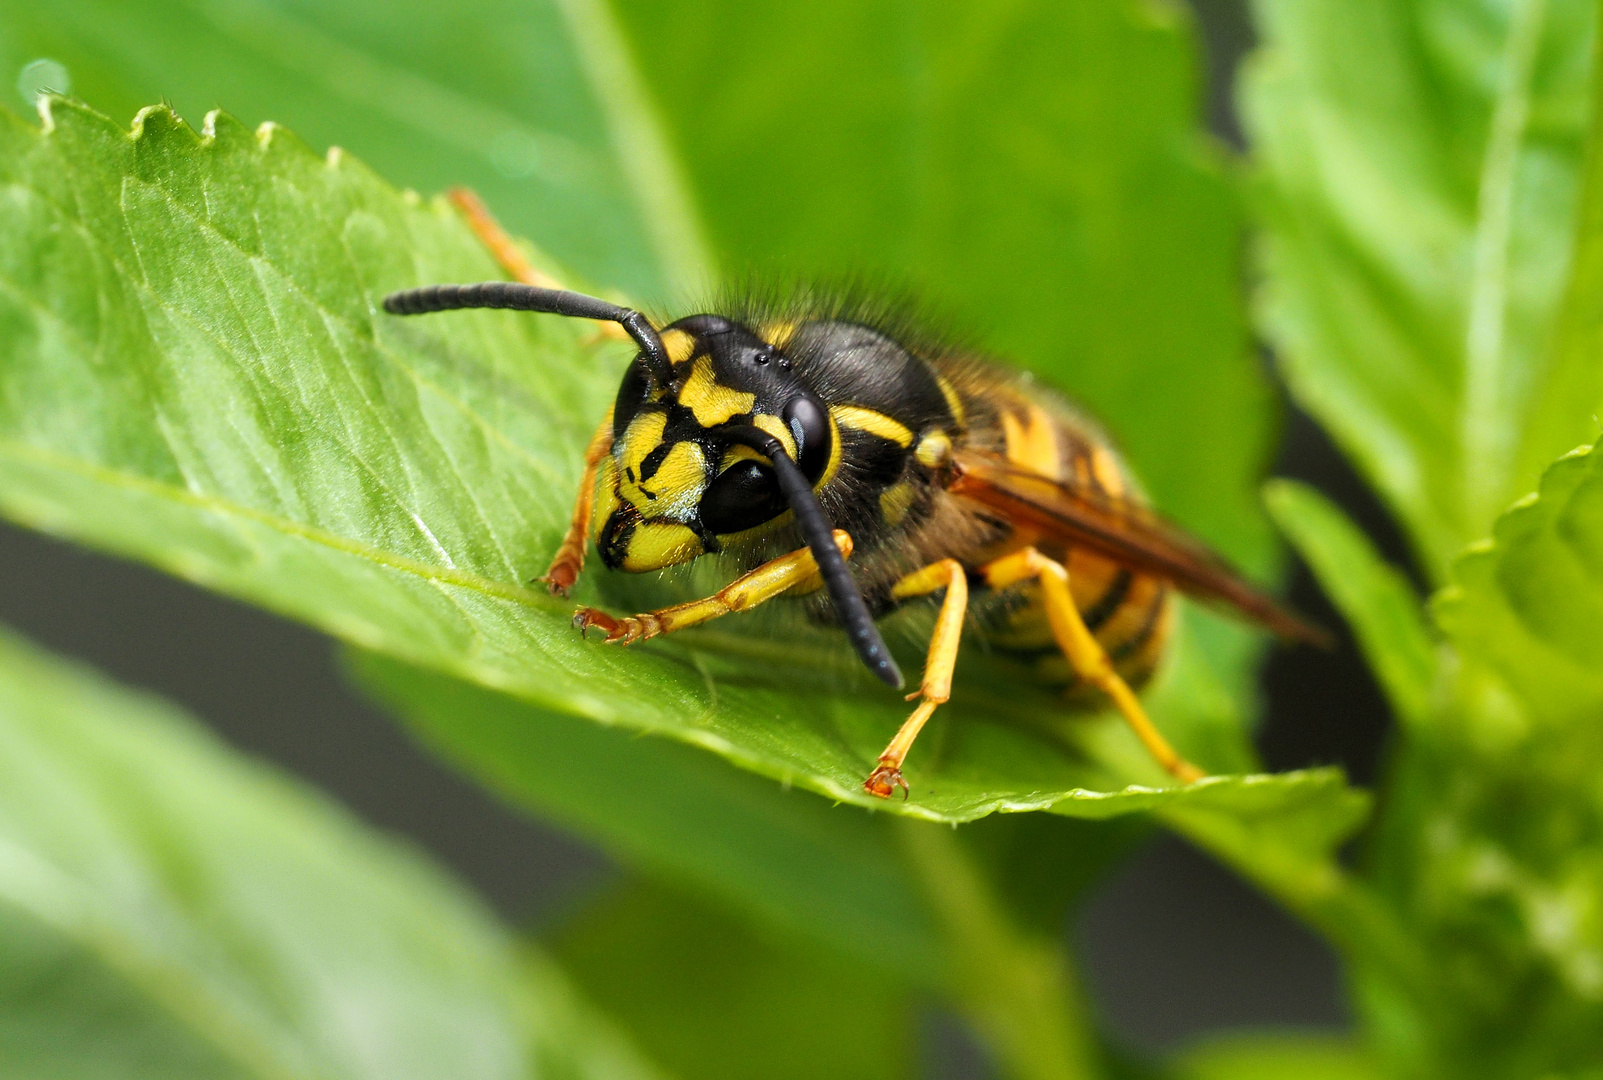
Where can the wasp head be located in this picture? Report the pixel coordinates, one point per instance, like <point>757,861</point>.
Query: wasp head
<point>676,487</point>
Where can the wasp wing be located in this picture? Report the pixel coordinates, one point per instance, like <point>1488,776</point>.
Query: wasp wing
<point>1128,534</point>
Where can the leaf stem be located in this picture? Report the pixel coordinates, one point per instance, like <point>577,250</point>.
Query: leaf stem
<point>1486,433</point>
<point>1018,990</point>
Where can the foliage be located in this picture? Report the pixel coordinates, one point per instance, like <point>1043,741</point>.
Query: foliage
<point>194,373</point>
<point>139,941</point>
<point>1419,165</point>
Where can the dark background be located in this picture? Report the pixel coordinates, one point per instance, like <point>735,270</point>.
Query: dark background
<point>1172,945</point>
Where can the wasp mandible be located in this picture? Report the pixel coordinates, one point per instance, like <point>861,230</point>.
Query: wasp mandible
<point>795,434</point>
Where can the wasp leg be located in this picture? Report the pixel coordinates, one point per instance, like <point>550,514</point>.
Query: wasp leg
<point>936,688</point>
<point>747,591</point>
<point>569,560</point>
<point>506,251</point>
<point>1085,654</point>
<point>492,236</point>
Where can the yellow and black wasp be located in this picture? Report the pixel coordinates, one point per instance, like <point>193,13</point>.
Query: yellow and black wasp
<point>796,435</point>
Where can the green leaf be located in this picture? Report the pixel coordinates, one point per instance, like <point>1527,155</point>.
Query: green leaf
<point>170,910</point>
<point>712,996</point>
<point>1528,602</point>
<point>1418,168</point>
<point>497,95</point>
<point>1489,851</point>
<point>830,872</point>
<point>682,815</point>
<point>197,376</point>
<point>1376,599</point>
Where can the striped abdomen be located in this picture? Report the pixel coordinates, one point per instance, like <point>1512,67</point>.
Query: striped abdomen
<point>1129,612</point>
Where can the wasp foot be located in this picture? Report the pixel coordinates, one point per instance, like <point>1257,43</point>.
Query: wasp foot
<point>884,780</point>
<point>624,631</point>
<point>559,580</point>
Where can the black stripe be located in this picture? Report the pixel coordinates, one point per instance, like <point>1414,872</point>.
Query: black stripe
<point>1109,602</point>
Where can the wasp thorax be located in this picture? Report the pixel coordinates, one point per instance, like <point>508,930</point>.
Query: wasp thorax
<point>675,486</point>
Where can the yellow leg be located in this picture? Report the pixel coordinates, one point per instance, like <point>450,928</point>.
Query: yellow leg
<point>747,591</point>
<point>1085,654</point>
<point>569,560</point>
<point>936,688</point>
<point>492,236</point>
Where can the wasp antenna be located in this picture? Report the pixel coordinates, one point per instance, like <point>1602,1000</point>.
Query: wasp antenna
<point>521,297</point>
<point>818,533</point>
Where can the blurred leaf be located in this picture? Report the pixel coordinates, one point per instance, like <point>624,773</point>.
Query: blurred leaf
<point>711,996</point>
<point>169,910</point>
<point>1376,600</point>
<point>683,815</point>
<point>834,873</point>
<point>1529,602</point>
<point>197,376</point>
<point>1275,1057</point>
<point>493,94</point>
<point>1491,850</point>
<point>1418,169</point>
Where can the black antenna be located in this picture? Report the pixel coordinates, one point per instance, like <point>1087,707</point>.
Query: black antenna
<point>521,297</point>
<point>817,531</point>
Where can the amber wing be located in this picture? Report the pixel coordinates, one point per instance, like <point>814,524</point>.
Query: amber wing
<point>1127,533</point>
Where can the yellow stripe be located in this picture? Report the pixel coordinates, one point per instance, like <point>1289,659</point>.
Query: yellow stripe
<point>953,402</point>
<point>1106,469</point>
<point>894,502</point>
<point>875,423</point>
<point>1033,443</point>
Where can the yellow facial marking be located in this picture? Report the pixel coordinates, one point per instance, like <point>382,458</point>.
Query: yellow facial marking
<point>739,453</point>
<point>1034,442</point>
<point>894,501</point>
<point>953,402</point>
<point>934,450</point>
<point>712,404</point>
<point>776,427</point>
<point>606,497</point>
<point>678,344</point>
<point>875,423</point>
<point>639,439</point>
<point>655,544</point>
<point>676,485</point>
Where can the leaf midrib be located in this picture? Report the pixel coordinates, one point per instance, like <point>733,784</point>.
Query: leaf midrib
<point>144,485</point>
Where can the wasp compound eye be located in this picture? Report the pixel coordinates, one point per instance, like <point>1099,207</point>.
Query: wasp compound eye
<point>809,426</point>
<point>633,392</point>
<point>742,497</point>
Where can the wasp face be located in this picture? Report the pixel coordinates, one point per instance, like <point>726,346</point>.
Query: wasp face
<point>675,488</point>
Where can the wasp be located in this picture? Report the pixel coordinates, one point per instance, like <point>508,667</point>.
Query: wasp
<point>795,435</point>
